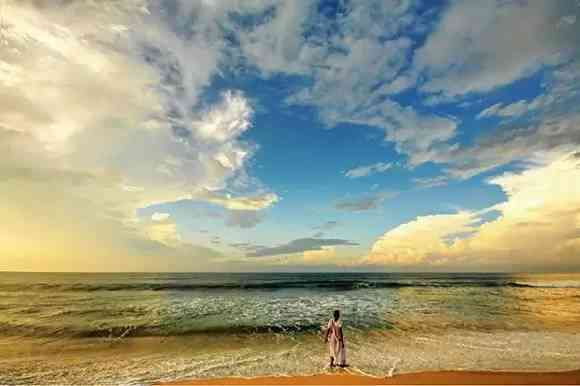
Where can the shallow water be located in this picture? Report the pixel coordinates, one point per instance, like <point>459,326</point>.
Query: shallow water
<point>134,328</point>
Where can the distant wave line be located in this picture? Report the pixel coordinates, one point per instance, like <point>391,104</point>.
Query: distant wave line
<point>330,285</point>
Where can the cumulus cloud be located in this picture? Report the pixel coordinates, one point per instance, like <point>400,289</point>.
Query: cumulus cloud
<point>300,246</point>
<point>364,171</point>
<point>537,227</point>
<point>421,240</point>
<point>364,203</point>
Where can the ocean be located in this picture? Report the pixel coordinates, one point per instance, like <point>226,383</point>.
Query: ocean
<point>143,327</point>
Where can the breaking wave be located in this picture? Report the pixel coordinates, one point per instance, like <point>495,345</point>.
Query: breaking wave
<point>345,285</point>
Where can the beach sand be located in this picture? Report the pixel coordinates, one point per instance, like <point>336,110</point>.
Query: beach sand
<point>426,378</point>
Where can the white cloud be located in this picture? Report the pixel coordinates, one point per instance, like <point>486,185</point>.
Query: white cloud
<point>414,134</point>
<point>224,122</point>
<point>516,109</point>
<point>431,182</point>
<point>346,80</point>
<point>469,51</point>
<point>157,216</point>
<point>491,111</point>
<point>345,91</point>
<point>104,100</point>
<point>364,171</point>
<point>549,124</point>
<point>355,61</point>
<point>538,227</point>
<point>144,120</point>
<point>421,240</point>
<point>276,44</point>
<point>249,203</point>
<point>57,71</point>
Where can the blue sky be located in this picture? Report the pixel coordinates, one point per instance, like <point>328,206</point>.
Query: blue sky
<point>293,135</point>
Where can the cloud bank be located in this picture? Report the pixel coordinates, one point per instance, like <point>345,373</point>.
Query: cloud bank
<point>538,227</point>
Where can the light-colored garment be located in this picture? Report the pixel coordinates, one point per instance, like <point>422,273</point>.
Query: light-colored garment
<point>335,347</point>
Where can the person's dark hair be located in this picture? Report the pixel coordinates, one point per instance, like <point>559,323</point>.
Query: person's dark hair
<point>336,314</point>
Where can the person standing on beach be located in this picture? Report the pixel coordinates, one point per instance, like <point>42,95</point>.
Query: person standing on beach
<point>335,340</point>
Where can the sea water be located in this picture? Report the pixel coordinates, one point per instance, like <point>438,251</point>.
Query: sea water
<point>141,328</point>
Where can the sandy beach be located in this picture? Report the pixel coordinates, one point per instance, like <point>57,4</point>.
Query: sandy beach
<point>424,378</point>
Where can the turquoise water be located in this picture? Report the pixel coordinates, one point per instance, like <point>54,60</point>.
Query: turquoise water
<point>138,328</point>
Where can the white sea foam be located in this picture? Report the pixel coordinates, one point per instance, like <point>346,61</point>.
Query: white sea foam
<point>550,284</point>
<point>143,360</point>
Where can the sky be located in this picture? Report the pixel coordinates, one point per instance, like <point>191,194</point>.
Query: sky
<point>259,135</point>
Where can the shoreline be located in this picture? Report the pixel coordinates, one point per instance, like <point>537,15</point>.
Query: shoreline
<point>421,378</point>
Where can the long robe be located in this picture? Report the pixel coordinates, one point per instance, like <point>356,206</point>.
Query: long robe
<point>336,348</point>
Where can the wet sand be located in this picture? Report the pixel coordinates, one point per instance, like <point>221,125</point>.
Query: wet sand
<point>426,378</point>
